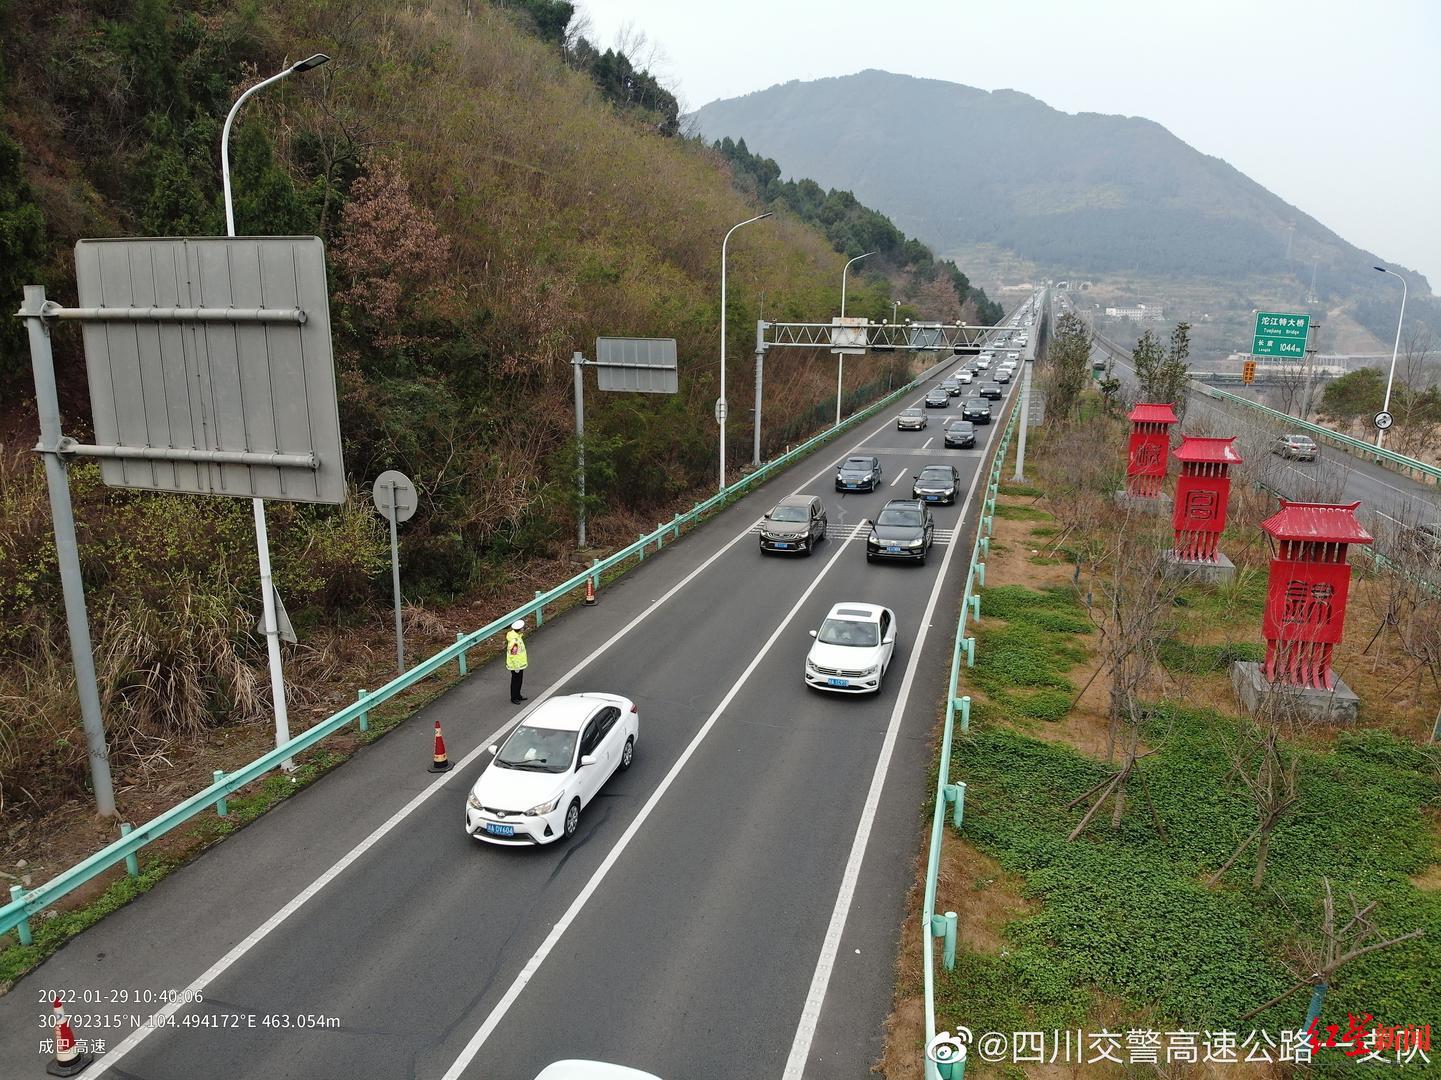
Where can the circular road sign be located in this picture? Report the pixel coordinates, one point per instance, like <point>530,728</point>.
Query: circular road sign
<point>394,495</point>
<point>1382,420</point>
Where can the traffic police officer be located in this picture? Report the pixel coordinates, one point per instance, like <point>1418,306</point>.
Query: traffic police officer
<point>515,659</point>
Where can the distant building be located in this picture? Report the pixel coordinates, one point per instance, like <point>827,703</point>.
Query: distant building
<point>1137,313</point>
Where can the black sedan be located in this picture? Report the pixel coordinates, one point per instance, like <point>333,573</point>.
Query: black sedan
<point>976,409</point>
<point>858,474</point>
<point>990,390</point>
<point>936,484</point>
<point>960,435</point>
<point>937,398</point>
<point>902,530</point>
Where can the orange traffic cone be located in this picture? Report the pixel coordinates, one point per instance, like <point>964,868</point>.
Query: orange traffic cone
<point>441,762</point>
<point>68,1058</point>
<point>590,592</point>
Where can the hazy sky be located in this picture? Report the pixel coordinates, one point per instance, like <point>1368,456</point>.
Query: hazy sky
<point>1336,107</point>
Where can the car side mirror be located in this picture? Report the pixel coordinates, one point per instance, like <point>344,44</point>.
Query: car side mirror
<point>813,633</point>
<point>494,748</point>
<point>890,638</point>
<point>587,759</point>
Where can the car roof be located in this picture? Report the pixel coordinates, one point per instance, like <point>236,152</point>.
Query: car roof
<point>861,457</point>
<point>938,468</point>
<point>853,610</point>
<point>796,500</point>
<point>901,504</point>
<point>564,712</point>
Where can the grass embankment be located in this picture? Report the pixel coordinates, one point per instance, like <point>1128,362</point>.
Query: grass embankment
<point>1119,928</point>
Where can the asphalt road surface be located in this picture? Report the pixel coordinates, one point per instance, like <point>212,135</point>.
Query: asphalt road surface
<point>730,908</point>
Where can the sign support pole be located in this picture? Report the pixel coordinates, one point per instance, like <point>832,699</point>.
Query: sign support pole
<point>1025,422</point>
<point>760,381</point>
<point>67,549</point>
<point>395,580</point>
<point>578,363</point>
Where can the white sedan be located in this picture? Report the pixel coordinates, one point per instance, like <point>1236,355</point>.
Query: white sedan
<point>852,650</point>
<point>550,767</point>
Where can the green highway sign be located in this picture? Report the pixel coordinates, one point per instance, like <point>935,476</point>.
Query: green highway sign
<point>1279,333</point>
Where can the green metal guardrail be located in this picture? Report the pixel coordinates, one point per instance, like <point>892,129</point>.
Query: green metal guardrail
<point>943,926</point>
<point>26,902</point>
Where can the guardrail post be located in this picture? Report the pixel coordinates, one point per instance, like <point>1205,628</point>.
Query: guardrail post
<point>986,546</point>
<point>976,606</point>
<point>23,926</point>
<point>222,808</point>
<point>659,535</point>
<point>965,715</point>
<point>970,644</point>
<point>642,549</point>
<point>460,660</point>
<point>948,953</point>
<point>364,722</point>
<point>132,864</point>
<point>958,803</point>
<point>539,611</point>
<point>981,574</point>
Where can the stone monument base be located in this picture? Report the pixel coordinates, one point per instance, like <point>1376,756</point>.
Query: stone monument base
<point>1159,504</point>
<point>1220,572</point>
<point>1338,706</point>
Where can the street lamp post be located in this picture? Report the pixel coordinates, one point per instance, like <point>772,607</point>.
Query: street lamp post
<point>1386,405</point>
<point>720,405</point>
<point>262,536</point>
<point>841,357</point>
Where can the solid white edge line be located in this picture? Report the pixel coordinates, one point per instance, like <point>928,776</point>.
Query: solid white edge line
<point>518,985</point>
<point>159,1018</point>
<point>830,948</point>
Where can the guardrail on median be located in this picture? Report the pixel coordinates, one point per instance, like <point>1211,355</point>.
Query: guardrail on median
<point>943,926</point>
<point>26,902</point>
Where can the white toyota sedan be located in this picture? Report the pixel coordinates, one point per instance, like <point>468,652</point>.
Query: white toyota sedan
<point>550,767</point>
<point>852,650</point>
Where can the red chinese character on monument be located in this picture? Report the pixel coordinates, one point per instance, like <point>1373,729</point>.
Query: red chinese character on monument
<point>1202,491</point>
<point>1146,456</point>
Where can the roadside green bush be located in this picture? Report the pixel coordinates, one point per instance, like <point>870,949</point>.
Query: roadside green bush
<point>1185,659</point>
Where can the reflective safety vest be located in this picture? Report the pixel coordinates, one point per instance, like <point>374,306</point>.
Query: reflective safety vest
<point>514,651</point>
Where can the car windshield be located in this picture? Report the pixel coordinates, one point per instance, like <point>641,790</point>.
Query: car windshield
<point>849,632</point>
<point>962,427</point>
<point>940,475</point>
<point>899,517</point>
<point>789,513</point>
<point>537,748</point>
<point>857,463</point>
<point>911,412</point>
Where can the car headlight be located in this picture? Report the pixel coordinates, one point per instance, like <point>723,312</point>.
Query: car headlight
<point>873,541</point>
<point>811,664</point>
<point>914,543</point>
<point>544,808</point>
<point>873,669</point>
<point>473,802</point>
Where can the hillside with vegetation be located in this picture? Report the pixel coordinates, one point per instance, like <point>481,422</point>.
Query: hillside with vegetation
<point>1074,194</point>
<point>494,192</point>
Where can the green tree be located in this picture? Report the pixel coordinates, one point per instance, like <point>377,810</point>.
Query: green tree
<point>1069,359</point>
<point>1354,395</point>
<point>267,202</point>
<point>1149,358</point>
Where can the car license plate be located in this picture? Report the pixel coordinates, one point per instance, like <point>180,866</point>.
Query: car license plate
<point>933,498</point>
<point>838,682</point>
<point>782,545</point>
<point>853,486</point>
<point>499,830</point>
<point>893,550</point>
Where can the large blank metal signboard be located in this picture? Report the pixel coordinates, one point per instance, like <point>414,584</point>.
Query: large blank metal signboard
<point>645,365</point>
<point>210,365</point>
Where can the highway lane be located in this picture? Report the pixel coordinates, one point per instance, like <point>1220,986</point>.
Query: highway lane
<point>421,933</point>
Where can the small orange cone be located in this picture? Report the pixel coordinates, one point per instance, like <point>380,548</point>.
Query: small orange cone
<point>68,1058</point>
<point>590,592</point>
<point>441,762</point>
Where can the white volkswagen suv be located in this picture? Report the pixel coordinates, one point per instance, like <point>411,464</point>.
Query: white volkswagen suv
<point>853,648</point>
<point>550,767</point>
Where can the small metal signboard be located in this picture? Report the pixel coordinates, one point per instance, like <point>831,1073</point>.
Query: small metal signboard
<point>1280,333</point>
<point>394,495</point>
<point>644,365</point>
<point>1383,421</point>
<point>210,366</point>
<point>849,336</point>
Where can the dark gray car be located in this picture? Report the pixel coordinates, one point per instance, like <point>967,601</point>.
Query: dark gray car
<point>858,474</point>
<point>937,484</point>
<point>796,523</point>
<point>960,435</point>
<point>902,530</point>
